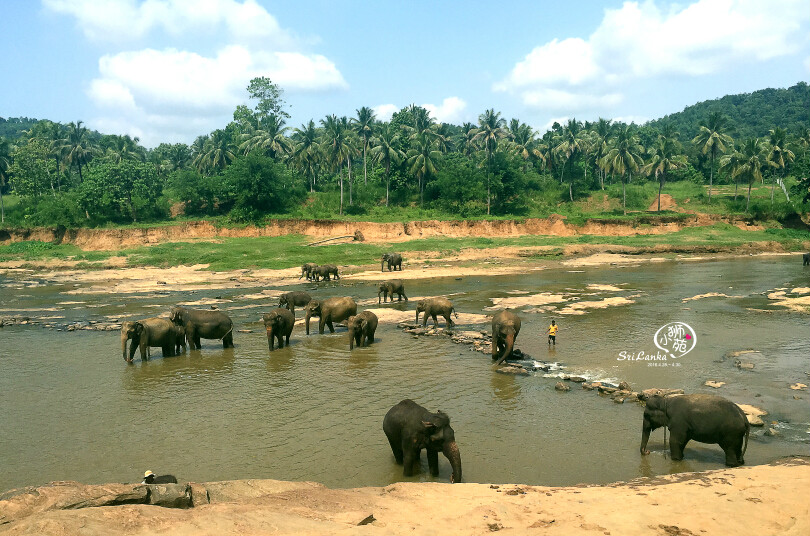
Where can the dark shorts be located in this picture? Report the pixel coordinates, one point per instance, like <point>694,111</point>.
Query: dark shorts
<point>552,338</point>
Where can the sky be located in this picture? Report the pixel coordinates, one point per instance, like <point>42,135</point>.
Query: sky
<point>171,70</point>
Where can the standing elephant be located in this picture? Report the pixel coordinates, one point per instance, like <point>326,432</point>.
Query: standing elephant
<point>394,261</point>
<point>279,325</point>
<point>157,332</point>
<point>203,324</point>
<point>434,307</point>
<point>391,287</point>
<point>505,329</point>
<point>291,299</point>
<point>805,259</point>
<point>324,272</point>
<point>330,310</point>
<point>411,428</point>
<point>361,329</point>
<point>704,418</point>
<point>307,269</point>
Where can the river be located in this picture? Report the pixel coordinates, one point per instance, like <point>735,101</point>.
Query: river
<point>72,409</point>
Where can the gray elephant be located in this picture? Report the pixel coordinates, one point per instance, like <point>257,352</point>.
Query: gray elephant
<point>434,307</point>
<point>411,428</point>
<point>324,272</point>
<point>279,325</point>
<point>505,329</point>
<point>805,259</point>
<point>307,269</point>
<point>704,418</point>
<point>330,310</point>
<point>203,324</point>
<point>394,261</point>
<point>291,299</point>
<point>389,288</point>
<point>150,332</point>
<point>362,327</point>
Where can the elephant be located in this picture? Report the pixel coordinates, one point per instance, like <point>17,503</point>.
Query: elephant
<point>361,329</point>
<point>433,307</point>
<point>411,428</point>
<point>203,324</point>
<point>158,332</point>
<point>805,259</point>
<point>391,287</point>
<point>330,310</point>
<point>279,325</point>
<point>307,269</point>
<point>505,329</point>
<point>291,299</point>
<point>704,418</point>
<point>394,261</point>
<point>324,272</point>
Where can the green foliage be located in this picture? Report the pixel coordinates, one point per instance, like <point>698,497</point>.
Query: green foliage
<point>508,185</point>
<point>197,192</point>
<point>33,172</point>
<point>61,209</point>
<point>255,185</point>
<point>459,187</point>
<point>122,191</point>
<point>15,127</point>
<point>269,97</point>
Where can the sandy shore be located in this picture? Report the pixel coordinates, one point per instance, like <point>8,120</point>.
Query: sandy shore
<point>768,499</point>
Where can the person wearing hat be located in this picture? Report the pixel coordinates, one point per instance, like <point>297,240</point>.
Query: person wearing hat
<point>150,478</point>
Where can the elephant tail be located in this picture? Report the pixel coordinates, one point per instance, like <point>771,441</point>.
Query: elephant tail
<point>455,312</point>
<point>747,429</point>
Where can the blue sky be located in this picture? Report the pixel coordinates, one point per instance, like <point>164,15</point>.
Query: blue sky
<point>170,70</point>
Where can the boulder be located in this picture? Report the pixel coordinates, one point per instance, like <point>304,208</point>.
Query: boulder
<point>513,369</point>
<point>798,386</point>
<point>170,495</point>
<point>588,386</point>
<point>560,386</point>
<point>624,386</point>
<point>577,379</point>
<point>743,365</point>
<point>770,432</point>
<point>199,494</point>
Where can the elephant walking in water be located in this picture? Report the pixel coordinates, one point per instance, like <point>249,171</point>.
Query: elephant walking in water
<point>279,325</point>
<point>434,307</point>
<point>389,288</point>
<point>704,418</point>
<point>330,310</point>
<point>505,329</point>
<point>203,324</point>
<point>291,299</point>
<point>362,327</point>
<point>151,332</point>
<point>410,428</point>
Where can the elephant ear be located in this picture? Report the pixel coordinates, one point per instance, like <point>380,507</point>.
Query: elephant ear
<point>138,328</point>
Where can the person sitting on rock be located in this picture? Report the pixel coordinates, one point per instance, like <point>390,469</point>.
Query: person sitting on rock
<point>150,478</point>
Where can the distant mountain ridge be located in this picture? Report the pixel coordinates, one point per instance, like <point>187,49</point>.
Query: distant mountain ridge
<point>750,115</point>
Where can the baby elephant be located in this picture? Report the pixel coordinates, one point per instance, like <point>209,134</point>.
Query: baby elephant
<point>434,307</point>
<point>704,418</point>
<point>394,261</point>
<point>279,325</point>
<point>389,288</point>
<point>291,299</point>
<point>361,329</point>
<point>411,428</point>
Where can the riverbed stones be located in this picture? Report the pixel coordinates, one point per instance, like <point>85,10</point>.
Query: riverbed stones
<point>753,414</point>
<point>743,365</point>
<point>798,387</point>
<point>516,370</point>
<point>170,495</point>
<point>624,386</point>
<point>661,392</point>
<point>560,386</point>
<point>714,383</point>
<point>771,432</point>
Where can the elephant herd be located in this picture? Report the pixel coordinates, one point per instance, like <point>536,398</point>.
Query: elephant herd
<point>408,426</point>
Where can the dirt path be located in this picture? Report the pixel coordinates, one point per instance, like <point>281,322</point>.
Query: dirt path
<point>748,500</point>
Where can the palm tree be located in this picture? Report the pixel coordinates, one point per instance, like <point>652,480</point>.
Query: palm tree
<point>336,147</point>
<point>570,144</point>
<point>600,145</point>
<point>217,153</point>
<point>624,157</point>
<point>442,138</point>
<point>270,139</point>
<point>306,150</point>
<point>5,163</point>
<point>364,126</point>
<point>490,130</point>
<point>803,139</point>
<point>664,156</point>
<point>711,140</point>
<point>746,163</point>
<point>778,157</point>
<point>468,131</point>
<point>76,147</point>
<point>387,151</point>
<point>523,142</point>
<point>123,148</point>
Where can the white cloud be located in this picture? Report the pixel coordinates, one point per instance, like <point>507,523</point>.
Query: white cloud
<point>121,20</point>
<point>384,112</point>
<point>645,40</point>
<point>449,111</point>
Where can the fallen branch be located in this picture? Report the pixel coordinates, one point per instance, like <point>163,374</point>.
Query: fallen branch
<point>357,236</point>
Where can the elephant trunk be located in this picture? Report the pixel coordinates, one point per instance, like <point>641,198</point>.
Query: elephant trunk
<point>645,437</point>
<point>417,316</point>
<point>510,343</point>
<point>124,339</point>
<point>270,341</point>
<point>351,339</point>
<point>452,454</point>
<point>307,317</point>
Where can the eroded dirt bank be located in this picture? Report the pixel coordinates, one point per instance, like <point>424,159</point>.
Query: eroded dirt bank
<point>768,499</point>
<point>112,239</point>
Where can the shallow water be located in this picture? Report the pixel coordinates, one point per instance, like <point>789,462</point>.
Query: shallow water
<point>72,409</point>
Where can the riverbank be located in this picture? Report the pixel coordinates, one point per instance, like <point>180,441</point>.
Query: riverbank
<point>767,499</point>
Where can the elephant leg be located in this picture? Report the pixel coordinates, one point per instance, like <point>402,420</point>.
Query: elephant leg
<point>435,320</point>
<point>197,342</point>
<point>288,340</point>
<point>433,461</point>
<point>494,347</point>
<point>733,450</point>
<point>396,448</point>
<point>449,320</point>
<point>168,351</point>
<point>677,444</point>
<point>227,340</point>
<point>144,348</point>
<point>321,324</point>
<point>331,327</point>
<point>410,462</point>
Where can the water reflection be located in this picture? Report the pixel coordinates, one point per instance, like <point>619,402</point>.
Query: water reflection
<point>506,389</point>
<point>191,367</point>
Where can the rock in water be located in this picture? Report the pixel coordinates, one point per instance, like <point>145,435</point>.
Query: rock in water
<point>714,383</point>
<point>562,387</point>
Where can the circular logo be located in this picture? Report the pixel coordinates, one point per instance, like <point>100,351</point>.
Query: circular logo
<point>676,339</point>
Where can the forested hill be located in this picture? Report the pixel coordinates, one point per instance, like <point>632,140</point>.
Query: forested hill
<point>13,127</point>
<point>750,115</point>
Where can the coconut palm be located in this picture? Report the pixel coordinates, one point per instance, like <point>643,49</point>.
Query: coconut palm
<point>76,147</point>
<point>746,163</point>
<point>712,140</point>
<point>306,150</point>
<point>336,146</point>
<point>468,146</point>
<point>664,157</point>
<point>386,151</point>
<point>442,138</point>
<point>522,141</point>
<point>490,130</point>
<point>123,148</point>
<point>779,156</point>
<point>422,158</point>
<point>600,145</point>
<point>5,163</point>
<point>572,143</point>
<point>624,157</point>
<point>217,153</point>
<point>270,139</point>
<point>364,127</point>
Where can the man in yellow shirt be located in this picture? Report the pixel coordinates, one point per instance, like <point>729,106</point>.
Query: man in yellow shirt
<point>552,333</point>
